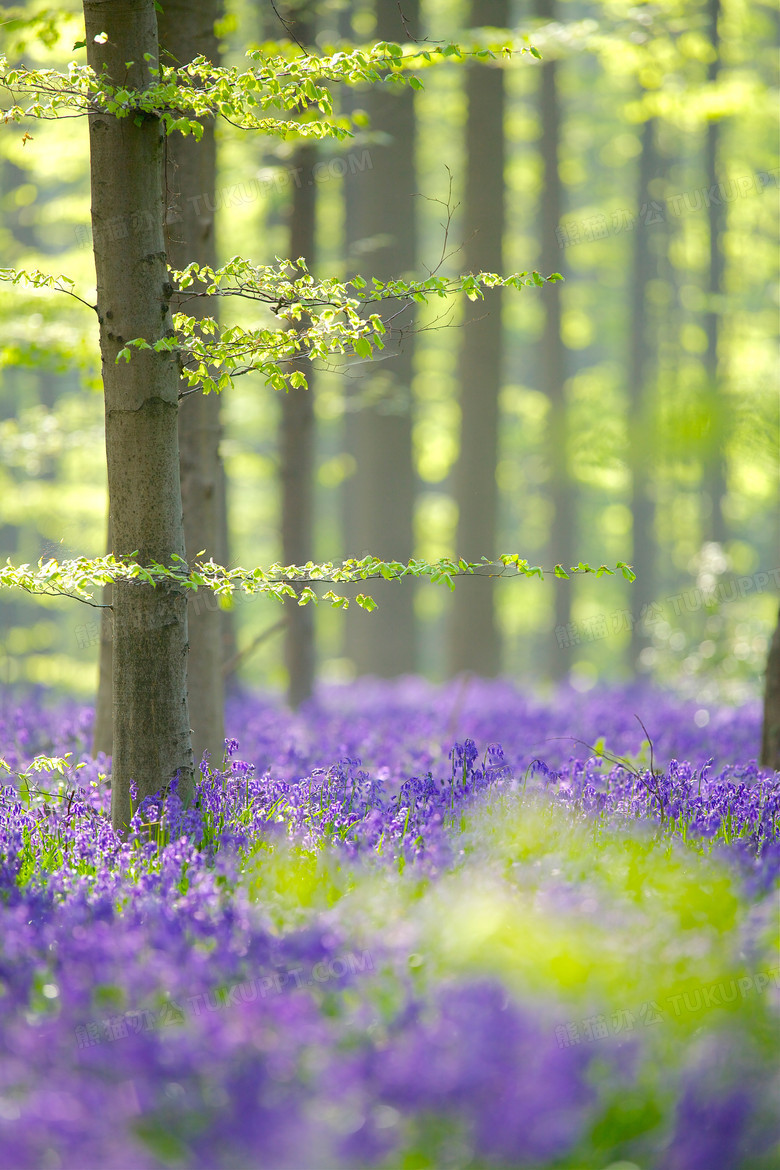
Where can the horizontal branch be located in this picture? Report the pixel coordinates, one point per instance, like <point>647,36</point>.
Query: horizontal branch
<point>319,319</point>
<point>183,98</point>
<point>75,578</point>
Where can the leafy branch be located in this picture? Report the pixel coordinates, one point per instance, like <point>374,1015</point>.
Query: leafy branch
<point>328,318</point>
<point>321,319</point>
<point>43,280</point>
<point>31,794</point>
<point>182,98</point>
<point>76,578</point>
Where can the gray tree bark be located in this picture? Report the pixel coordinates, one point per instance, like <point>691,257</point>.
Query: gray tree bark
<point>770,736</point>
<point>297,425</point>
<point>186,31</point>
<point>474,641</point>
<point>151,721</point>
<point>381,241</point>
<point>296,459</point>
<point>552,356</point>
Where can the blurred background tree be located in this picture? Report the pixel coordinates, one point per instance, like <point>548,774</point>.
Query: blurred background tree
<point>473,636</point>
<point>380,238</point>
<point>631,412</point>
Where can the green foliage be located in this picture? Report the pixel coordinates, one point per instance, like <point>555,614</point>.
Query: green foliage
<point>322,318</point>
<point>183,97</point>
<point>29,792</point>
<point>78,577</point>
<point>38,279</point>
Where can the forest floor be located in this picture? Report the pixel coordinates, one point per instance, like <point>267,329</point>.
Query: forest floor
<point>417,927</point>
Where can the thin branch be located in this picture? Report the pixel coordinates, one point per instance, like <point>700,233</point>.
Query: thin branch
<point>287,28</point>
<point>71,596</point>
<point>77,298</point>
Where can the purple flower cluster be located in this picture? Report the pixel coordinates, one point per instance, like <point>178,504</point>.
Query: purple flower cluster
<point>154,1014</point>
<point>364,721</point>
<point>119,1053</point>
<point>737,808</point>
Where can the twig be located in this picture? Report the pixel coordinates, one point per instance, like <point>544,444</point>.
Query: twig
<point>286,25</point>
<point>70,596</point>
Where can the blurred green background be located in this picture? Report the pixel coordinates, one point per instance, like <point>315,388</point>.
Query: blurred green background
<point>641,405</point>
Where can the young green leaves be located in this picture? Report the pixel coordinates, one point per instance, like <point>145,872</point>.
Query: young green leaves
<point>79,578</point>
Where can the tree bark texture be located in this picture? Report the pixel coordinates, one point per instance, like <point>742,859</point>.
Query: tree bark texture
<point>296,451</point>
<point>186,31</point>
<point>553,359</point>
<point>151,721</point>
<point>641,406</point>
<point>297,422</point>
<point>381,242</point>
<point>770,737</point>
<point>474,640</point>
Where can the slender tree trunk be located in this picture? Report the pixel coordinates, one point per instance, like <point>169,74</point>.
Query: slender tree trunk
<point>380,496</point>
<point>714,474</point>
<point>640,405</point>
<point>151,721</point>
<point>297,425</point>
<point>553,361</point>
<point>474,643</point>
<point>296,451</point>
<point>770,738</point>
<point>186,31</point>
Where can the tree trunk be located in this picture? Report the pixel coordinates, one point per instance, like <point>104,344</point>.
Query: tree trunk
<point>474,643</point>
<point>151,720</point>
<point>714,474</point>
<point>553,361</point>
<point>296,453</point>
<point>640,406</point>
<point>186,31</point>
<point>770,737</point>
<point>379,505</point>
<point>296,435</point>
